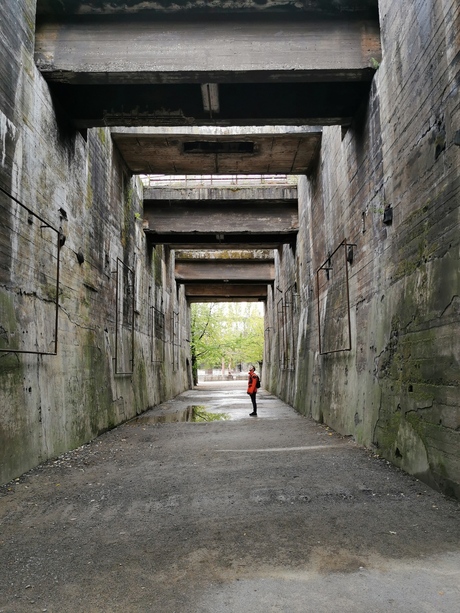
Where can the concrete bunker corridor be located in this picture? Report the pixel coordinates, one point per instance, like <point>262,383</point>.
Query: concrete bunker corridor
<point>356,258</point>
<point>342,494</point>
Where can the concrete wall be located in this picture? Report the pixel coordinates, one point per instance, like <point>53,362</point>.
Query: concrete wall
<point>79,186</point>
<point>397,389</point>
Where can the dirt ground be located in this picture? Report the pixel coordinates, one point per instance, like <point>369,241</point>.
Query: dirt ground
<point>267,514</point>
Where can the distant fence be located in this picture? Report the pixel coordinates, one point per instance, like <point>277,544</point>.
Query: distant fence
<point>236,377</point>
<point>217,375</point>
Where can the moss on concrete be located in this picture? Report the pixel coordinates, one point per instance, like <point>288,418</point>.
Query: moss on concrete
<point>89,196</point>
<point>101,134</point>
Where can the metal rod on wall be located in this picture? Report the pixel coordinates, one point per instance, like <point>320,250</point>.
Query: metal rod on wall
<point>58,259</point>
<point>345,246</point>
<point>319,314</point>
<point>327,266</point>
<point>58,269</point>
<point>117,297</point>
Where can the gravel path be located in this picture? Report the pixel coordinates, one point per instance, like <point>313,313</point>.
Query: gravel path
<point>267,514</point>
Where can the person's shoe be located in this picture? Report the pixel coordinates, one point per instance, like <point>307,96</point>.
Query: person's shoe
<point>253,414</point>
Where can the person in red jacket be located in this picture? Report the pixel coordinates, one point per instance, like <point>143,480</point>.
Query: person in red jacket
<point>252,390</point>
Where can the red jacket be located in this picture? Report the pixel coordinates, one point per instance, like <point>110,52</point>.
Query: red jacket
<point>252,383</point>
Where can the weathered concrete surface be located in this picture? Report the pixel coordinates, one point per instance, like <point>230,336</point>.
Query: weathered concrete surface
<point>261,193</point>
<point>101,50</point>
<point>235,218</point>
<point>81,188</point>
<point>248,515</point>
<point>50,8</point>
<point>398,387</point>
<point>226,216</point>
<point>281,149</point>
<point>225,292</point>
<point>250,289</point>
<point>239,271</point>
<point>289,69</point>
<point>220,254</point>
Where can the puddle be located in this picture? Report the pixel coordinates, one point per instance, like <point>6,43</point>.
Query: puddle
<point>196,413</point>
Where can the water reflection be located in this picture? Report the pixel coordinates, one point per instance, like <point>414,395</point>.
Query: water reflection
<point>195,413</point>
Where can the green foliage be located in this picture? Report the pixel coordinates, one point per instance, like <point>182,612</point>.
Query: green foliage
<point>229,333</point>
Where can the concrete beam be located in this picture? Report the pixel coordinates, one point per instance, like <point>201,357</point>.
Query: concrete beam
<point>222,224</point>
<point>268,240</point>
<point>150,151</point>
<point>251,272</point>
<point>225,292</point>
<point>51,8</point>
<point>220,217</point>
<point>193,193</point>
<point>206,50</point>
<point>236,70</point>
<point>221,254</point>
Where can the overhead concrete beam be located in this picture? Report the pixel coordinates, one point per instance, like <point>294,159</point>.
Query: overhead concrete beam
<point>225,271</point>
<point>236,240</point>
<point>222,224</point>
<point>51,8</point>
<point>224,254</point>
<point>218,150</point>
<point>225,292</point>
<point>206,50</point>
<point>192,193</point>
<point>287,70</point>
<point>220,217</point>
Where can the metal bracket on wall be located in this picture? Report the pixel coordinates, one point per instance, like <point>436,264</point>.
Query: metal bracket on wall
<point>281,329</point>
<point>327,267</point>
<point>59,243</point>
<point>291,309</point>
<point>130,289</point>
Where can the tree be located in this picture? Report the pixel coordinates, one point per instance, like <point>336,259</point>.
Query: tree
<point>226,333</point>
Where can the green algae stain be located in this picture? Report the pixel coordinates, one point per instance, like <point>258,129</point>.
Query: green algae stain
<point>102,135</point>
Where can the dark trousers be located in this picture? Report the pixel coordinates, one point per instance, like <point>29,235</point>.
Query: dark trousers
<point>253,400</point>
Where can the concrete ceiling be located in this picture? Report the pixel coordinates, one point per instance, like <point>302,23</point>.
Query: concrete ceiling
<point>97,7</point>
<point>225,276</point>
<point>281,150</point>
<point>219,217</point>
<point>225,292</point>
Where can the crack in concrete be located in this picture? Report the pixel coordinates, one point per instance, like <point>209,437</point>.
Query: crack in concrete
<point>454,297</point>
<point>72,321</point>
